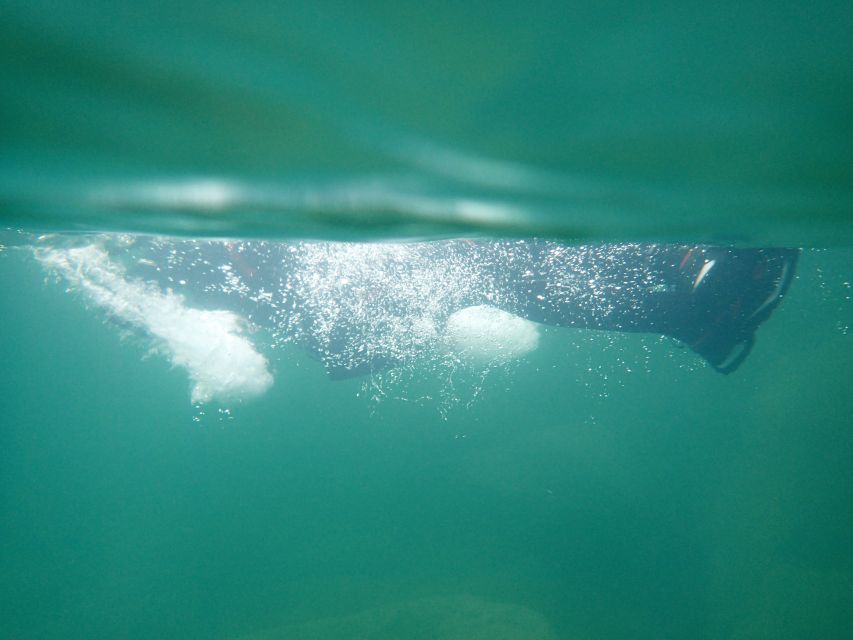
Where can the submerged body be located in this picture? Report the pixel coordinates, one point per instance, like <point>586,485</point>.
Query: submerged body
<point>712,299</point>
<point>366,307</point>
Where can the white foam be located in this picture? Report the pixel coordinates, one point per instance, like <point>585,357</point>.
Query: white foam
<point>221,362</point>
<point>485,335</point>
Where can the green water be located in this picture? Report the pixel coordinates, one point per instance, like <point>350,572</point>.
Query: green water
<point>726,121</point>
<point>605,486</point>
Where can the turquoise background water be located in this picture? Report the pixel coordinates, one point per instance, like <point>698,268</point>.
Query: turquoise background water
<point>605,487</point>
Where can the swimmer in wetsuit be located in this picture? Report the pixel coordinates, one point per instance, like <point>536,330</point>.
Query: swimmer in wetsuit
<point>340,301</point>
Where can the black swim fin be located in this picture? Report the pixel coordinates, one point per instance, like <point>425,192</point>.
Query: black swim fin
<point>732,292</point>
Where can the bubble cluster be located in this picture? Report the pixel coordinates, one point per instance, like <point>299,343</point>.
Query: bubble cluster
<point>390,312</point>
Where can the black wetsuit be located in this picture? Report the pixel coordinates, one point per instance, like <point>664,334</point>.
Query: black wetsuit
<point>711,298</point>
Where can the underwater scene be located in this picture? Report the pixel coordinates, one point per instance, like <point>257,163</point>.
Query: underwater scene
<point>453,321</point>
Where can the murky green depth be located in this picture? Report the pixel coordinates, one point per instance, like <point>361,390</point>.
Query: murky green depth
<point>649,497</point>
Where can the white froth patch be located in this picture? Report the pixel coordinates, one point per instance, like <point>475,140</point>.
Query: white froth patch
<point>222,363</point>
<point>485,335</point>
